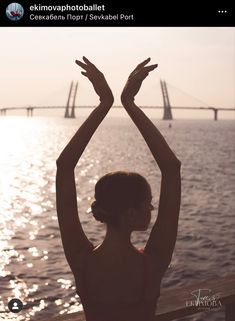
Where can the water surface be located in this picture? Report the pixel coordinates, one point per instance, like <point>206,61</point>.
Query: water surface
<point>32,263</point>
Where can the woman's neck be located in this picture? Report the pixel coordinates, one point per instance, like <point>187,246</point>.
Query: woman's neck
<point>117,238</point>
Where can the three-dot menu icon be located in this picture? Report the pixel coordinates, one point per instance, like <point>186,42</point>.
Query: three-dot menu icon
<point>222,11</point>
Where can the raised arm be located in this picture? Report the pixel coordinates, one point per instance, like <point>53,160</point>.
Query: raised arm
<point>73,151</point>
<point>74,240</point>
<point>162,238</point>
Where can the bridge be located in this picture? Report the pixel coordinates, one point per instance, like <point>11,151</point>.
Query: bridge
<point>70,111</point>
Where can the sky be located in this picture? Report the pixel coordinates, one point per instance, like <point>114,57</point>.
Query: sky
<point>37,65</point>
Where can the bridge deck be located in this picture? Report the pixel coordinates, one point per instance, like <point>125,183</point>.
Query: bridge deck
<point>145,107</point>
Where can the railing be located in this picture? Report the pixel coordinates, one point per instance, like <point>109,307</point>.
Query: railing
<point>211,295</point>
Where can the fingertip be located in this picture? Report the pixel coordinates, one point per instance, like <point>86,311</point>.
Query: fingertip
<point>78,62</point>
<point>147,60</point>
<point>85,59</point>
<point>153,66</point>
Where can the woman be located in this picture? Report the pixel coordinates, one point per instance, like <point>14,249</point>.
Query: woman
<point>115,281</point>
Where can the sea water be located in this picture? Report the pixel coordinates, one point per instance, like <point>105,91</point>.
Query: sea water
<point>33,267</point>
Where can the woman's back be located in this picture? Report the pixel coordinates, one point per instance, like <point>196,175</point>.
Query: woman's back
<point>118,285</point>
<point>114,281</point>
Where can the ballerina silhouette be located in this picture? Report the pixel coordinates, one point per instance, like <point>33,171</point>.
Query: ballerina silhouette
<point>116,281</point>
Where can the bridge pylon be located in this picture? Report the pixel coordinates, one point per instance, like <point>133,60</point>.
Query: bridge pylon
<point>167,114</point>
<point>72,94</point>
<point>72,115</point>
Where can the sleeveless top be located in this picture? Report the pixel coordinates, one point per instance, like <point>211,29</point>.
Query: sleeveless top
<point>141,310</point>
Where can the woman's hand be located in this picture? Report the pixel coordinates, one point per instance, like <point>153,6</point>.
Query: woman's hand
<point>98,81</point>
<point>135,80</point>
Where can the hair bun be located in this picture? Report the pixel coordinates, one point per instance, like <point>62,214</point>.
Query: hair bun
<point>98,212</point>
